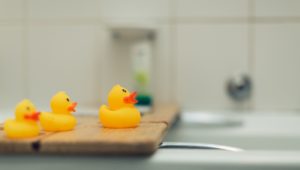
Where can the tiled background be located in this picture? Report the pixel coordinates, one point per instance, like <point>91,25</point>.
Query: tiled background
<point>50,45</point>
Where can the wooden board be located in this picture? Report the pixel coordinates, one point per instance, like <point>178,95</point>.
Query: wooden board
<point>163,114</point>
<point>89,137</point>
<point>20,145</point>
<point>95,139</point>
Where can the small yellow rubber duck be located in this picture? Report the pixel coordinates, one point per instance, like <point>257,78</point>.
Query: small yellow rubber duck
<point>61,118</point>
<point>25,124</point>
<point>120,112</point>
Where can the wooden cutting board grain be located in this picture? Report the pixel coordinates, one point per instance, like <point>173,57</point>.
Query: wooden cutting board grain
<point>89,137</point>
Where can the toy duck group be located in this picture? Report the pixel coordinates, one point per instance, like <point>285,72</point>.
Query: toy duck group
<point>28,122</point>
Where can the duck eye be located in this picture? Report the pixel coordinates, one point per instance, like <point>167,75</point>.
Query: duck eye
<point>124,90</point>
<point>28,108</point>
<point>68,99</point>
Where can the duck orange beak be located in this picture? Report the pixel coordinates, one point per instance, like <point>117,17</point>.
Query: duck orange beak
<point>33,116</point>
<point>131,98</point>
<point>72,107</point>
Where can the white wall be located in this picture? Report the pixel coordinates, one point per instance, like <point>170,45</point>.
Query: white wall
<point>50,45</point>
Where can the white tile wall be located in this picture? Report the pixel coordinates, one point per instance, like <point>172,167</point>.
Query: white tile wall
<point>11,66</point>
<point>135,9</point>
<point>64,58</point>
<point>207,56</point>
<point>11,9</point>
<point>275,8</point>
<point>212,8</point>
<point>194,56</point>
<point>277,68</point>
<point>164,83</point>
<point>117,64</point>
<point>62,9</point>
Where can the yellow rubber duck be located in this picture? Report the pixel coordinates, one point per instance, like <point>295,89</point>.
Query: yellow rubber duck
<point>60,119</point>
<point>25,124</point>
<point>120,112</point>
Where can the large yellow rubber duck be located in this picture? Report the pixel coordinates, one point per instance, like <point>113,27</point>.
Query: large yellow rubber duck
<point>25,124</point>
<point>61,118</point>
<point>120,112</point>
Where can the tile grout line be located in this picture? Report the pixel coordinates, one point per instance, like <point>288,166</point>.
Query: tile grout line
<point>25,55</point>
<point>190,20</point>
<point>251,49</point>
<point>103,32</point>
<point>173,44</point>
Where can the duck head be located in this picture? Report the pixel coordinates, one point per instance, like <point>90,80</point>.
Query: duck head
<point>119,97</point>
<point>26,111</point>
<point>61,103</point>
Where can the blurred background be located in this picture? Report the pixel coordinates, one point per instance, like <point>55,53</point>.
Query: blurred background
<point>194,51</point>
